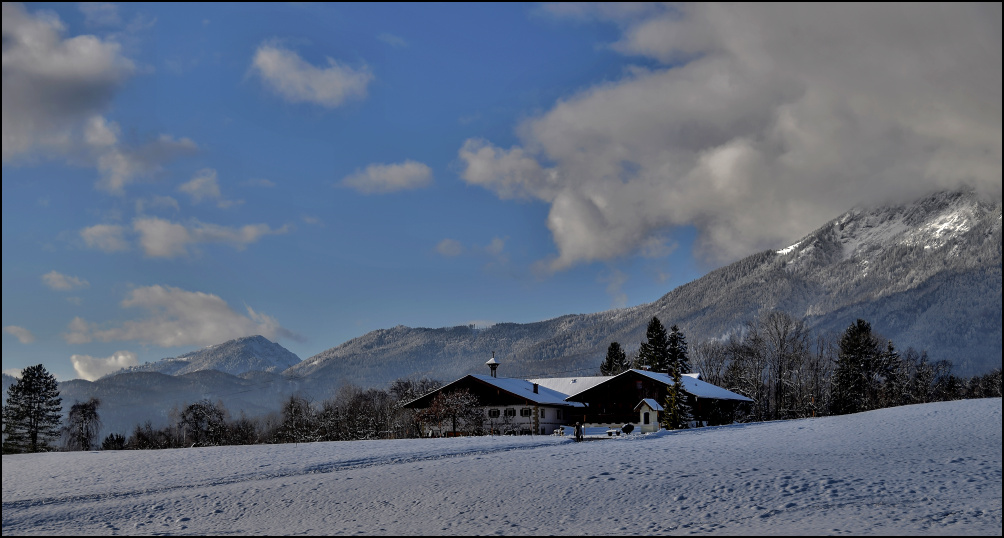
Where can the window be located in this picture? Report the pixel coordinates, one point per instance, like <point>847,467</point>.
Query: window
<point>525,412</point>
<point>541,413</point>
<point>510,412</point>
<point>493,413</point>
<point>559,413</point>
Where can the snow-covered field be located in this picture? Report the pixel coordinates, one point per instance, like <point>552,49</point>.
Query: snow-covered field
<point>922,469</point>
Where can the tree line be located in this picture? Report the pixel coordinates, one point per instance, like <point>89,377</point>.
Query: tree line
<point>789,372</point>
<point>775,360</point>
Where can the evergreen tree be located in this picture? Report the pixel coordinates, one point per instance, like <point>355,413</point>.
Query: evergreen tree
<point>676,347</point>
<point>654,354</point>
<point>860,350</point>
<point>82,425</point>
<point>677,413</point>
<point>32,414</point>
<point>616,361</point>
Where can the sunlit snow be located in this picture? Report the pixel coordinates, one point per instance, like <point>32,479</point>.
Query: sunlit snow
<point>921,469</point>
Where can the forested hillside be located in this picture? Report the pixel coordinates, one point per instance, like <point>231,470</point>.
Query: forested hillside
<point>926,275</point>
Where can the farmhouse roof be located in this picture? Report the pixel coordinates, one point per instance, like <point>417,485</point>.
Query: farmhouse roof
<point>570,386</point>
<point>516,388</point>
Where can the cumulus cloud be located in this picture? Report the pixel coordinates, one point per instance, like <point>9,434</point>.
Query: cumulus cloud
<point>55,90</point>
<point>385,178</point>
<point>58,281</point>
<point>23,335</point>
<point>92,368</point>
<point>105,237</point>
<point>757,123</point>
<point>450,247</point>
<point>161,238</point>
<point>288,75</point>
<point>121,165</point>
<point>177,317</point>
<point>50,84</point>
<point>204,186</point>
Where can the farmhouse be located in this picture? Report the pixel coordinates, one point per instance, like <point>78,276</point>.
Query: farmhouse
<point>540,406</point>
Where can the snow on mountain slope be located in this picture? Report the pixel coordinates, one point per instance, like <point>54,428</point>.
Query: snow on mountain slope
<point>235,357</point>
<point>926,274</point>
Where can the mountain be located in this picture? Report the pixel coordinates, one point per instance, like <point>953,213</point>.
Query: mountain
<point>925,274</point>
<point>234,357</point>
<point>132,398</point>
<point>243,374</point>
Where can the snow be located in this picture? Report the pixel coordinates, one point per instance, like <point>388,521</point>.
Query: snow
<point>921,469</point>
<point>788,249</point>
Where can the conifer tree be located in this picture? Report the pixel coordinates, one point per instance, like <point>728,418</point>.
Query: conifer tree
<point>616,361</point>
<point>859,351</point>
<point>677,413</point>
<point>32,414</point>
<point>654,354</point>
<point>676,347</point>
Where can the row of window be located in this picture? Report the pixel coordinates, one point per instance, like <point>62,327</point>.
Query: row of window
<point>524,412</point>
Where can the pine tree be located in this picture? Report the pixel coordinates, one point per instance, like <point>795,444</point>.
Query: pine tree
<point>32,414</point>
<point>654,354</point>
<point>676,347</point>
<point>856,363</point>
<point>677,414</point>
<point>616,361</point>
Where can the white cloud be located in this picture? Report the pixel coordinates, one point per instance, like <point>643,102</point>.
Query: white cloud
<point>14,372</point>
<point>92,368</point>
<point>58,281</point>
<point>450,247</point>
<point>157,202</point>
<point>162,238</point>
<point>761,123</point>
<point>384,178</point>
<point>288,75</point>
<point>204,186</point>
<point>120,165</point>
<point>615,281</point>
<point>106,237</point>
<point>52,84</point>
<point>259,182</point>
<point>177,317</point>
<point>392,40</point>
<point>23,335</point>
<point>55,91</point>
<point>100,14</point>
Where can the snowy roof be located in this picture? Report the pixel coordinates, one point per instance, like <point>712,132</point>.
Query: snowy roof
<point>701,389</point>
<point>520,388</point>
<point>654,405</point>
<point>571,386</point>
<point>524,389</point>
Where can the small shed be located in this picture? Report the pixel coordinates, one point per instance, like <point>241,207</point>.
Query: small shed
<point>648,415</point>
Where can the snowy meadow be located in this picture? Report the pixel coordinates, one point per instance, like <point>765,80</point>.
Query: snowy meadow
<point>932,469</point>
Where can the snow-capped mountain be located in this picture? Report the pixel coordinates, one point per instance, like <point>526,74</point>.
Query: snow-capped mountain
<point>234,357</point>
<point>925,274</point>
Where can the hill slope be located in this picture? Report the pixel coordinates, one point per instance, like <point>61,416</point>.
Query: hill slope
<point>925,274</point>
<point>234,357</point>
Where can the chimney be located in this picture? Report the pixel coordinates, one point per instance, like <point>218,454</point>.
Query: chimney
<point>535,388</point>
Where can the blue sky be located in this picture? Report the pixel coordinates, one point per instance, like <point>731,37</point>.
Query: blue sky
<point>177,175</point>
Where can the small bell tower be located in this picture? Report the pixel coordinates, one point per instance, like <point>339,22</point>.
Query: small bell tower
<point>493,364</point>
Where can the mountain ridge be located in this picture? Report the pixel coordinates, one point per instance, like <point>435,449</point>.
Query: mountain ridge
<point>889,255</point>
